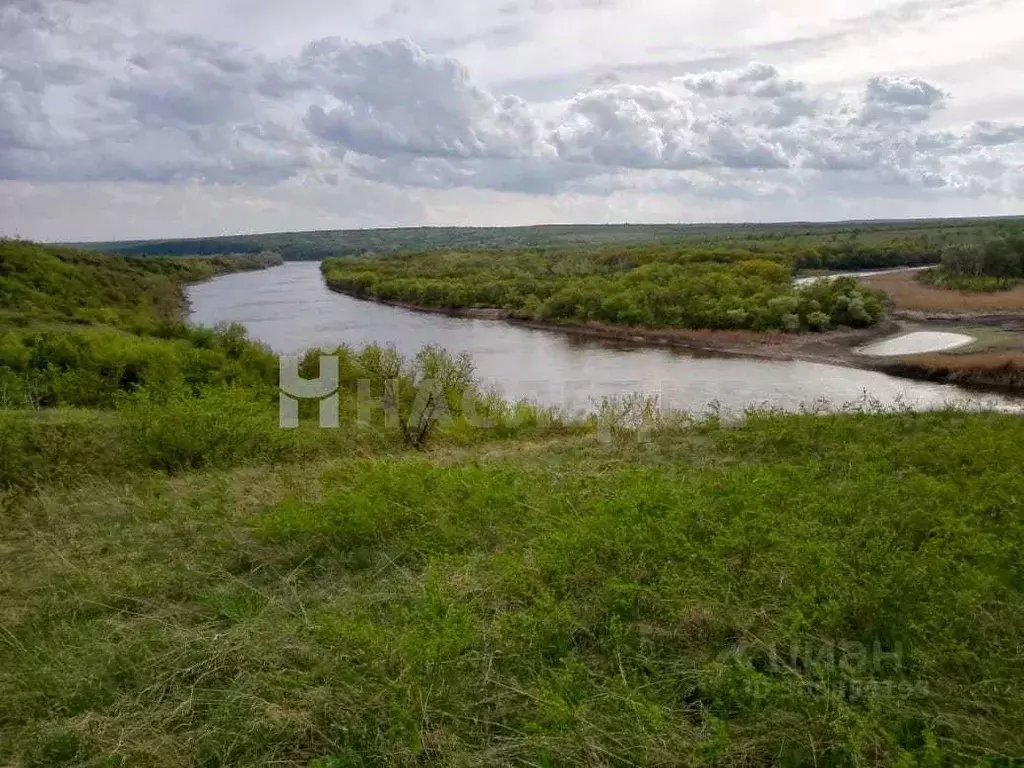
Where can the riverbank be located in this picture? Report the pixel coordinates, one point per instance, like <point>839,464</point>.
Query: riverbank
<point>839,348</point>
<point>832,347</point>
<point>994,362</point>
<point>983,372</point>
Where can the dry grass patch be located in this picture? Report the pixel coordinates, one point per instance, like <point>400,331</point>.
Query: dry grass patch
<point>907,292</point>
<point>980,361</point>
<point>1001,370</point>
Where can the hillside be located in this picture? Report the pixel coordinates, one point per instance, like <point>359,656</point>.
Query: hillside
<point>186,583</point>
<point>80,329</point>
<point>39,282</point>
<point>928,233</point>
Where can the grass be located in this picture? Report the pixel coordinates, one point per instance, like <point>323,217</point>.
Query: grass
<point>908,293</point>
<point>718,595</point>
<point>989,339</point>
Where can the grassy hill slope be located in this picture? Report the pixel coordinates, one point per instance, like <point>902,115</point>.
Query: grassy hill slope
<point>185,583</point>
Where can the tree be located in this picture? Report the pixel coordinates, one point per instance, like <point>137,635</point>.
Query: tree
<point>418,394</point>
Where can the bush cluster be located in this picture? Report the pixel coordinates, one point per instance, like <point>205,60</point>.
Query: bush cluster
<point>674,287</point>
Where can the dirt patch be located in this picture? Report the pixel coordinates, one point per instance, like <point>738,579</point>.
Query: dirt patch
<point>909,294</point>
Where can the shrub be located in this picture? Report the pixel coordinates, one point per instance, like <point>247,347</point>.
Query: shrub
<point>657,286</point>
<point>418,394</point>
<point>176,431</point>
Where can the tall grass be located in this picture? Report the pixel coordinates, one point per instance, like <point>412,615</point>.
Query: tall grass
<point>832,590</point>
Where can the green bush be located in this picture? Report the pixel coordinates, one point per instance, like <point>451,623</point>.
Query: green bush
<point>93,366</point>
<point>176,431</point>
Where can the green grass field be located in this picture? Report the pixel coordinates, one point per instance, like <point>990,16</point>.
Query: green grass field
<point>801,590</point>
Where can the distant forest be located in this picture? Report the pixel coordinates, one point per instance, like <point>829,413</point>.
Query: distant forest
<point>838,245</point>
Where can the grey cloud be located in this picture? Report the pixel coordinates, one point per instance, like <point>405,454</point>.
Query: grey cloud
<point>392,97</point>
<point>991,134</point>
<point>173,108</point>
<point>661,64</point>
<point>521,175</point>
<point>782,101</point>
<point>628,126</point>
<point>889,99</point>
<point>553,88</point>
<point>734,147</point>
<point>648,128</point>
<point>930,141</point>
<point>758,80</point>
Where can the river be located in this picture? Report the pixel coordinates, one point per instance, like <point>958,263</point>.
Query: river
<point>290,309</point>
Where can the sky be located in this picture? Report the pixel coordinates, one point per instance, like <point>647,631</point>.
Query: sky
<point>124,119</point>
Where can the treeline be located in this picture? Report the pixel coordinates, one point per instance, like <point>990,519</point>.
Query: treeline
<point>825,245</point>
<point>655,286</point>
<point>994,265</point>
<point>854,255</point>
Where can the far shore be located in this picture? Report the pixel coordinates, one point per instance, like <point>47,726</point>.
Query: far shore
<point>839,347</point>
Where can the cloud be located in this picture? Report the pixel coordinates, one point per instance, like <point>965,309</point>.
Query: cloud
<point>176,108</point>
<point>757,80</point>
<point>155,108</point>
<point>630,127</point>
<point>895,99</point>
<point>393,98</point>
<point>990,134</point>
